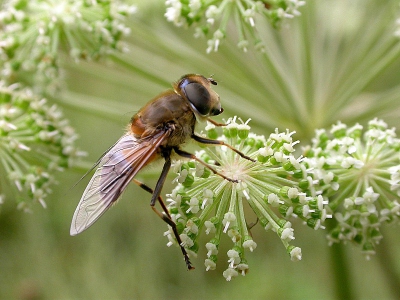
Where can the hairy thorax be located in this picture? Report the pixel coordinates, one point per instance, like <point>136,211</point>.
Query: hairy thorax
<point>166,112</point>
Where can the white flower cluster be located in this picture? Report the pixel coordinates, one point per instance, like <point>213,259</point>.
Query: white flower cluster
<point>347,172</point>
<point>35,141</point>
<point>359,172</point>
<point>275,187</point>
<point>34,32</point>
<point>212,18</point>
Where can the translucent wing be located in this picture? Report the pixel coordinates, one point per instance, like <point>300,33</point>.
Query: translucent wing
<point>116,169</point>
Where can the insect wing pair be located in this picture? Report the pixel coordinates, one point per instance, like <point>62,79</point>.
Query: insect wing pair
<point>116,170</point>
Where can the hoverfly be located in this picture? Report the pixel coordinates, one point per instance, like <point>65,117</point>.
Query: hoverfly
<point>156,131</point>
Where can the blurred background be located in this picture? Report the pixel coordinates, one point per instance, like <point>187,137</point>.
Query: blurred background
<point>339,60</point>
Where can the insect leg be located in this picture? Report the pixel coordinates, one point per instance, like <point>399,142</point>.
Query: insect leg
<point>220,143</point>
<point>150,190</point>
<point>166,217</point>
<point>192,156</point>
<point>251,225</point>
<point>216,123</point>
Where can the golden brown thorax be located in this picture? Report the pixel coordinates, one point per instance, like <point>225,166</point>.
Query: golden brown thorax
<point>165,110</point>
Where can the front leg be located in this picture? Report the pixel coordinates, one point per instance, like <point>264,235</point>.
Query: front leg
<point>220,143</point>
<point>192,156</point>
<point>216,123</point>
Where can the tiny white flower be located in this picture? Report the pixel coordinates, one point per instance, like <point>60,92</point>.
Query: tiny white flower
<point>209,264</point>
<point>274,200</point>
<point>210,227</point>
<point>234,258</point>
<point>250,244</point>
<point>230,273</point>
<point>287,234</point>
<point>194,205</point>
<point>296,254</point>
<point>229,217</point>
<point>234,235</point>
<point>186,240</point>
<point>192,227</point>
<point>212,249</point>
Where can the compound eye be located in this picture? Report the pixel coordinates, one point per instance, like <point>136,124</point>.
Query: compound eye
<point>216,111</point>
<point>198,95</point>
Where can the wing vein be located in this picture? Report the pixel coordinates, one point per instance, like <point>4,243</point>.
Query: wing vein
<point>115,170</point>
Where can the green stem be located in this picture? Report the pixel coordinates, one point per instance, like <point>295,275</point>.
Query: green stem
<point>387,263</point>
<point>120,60</point>
<point>340,270</point>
